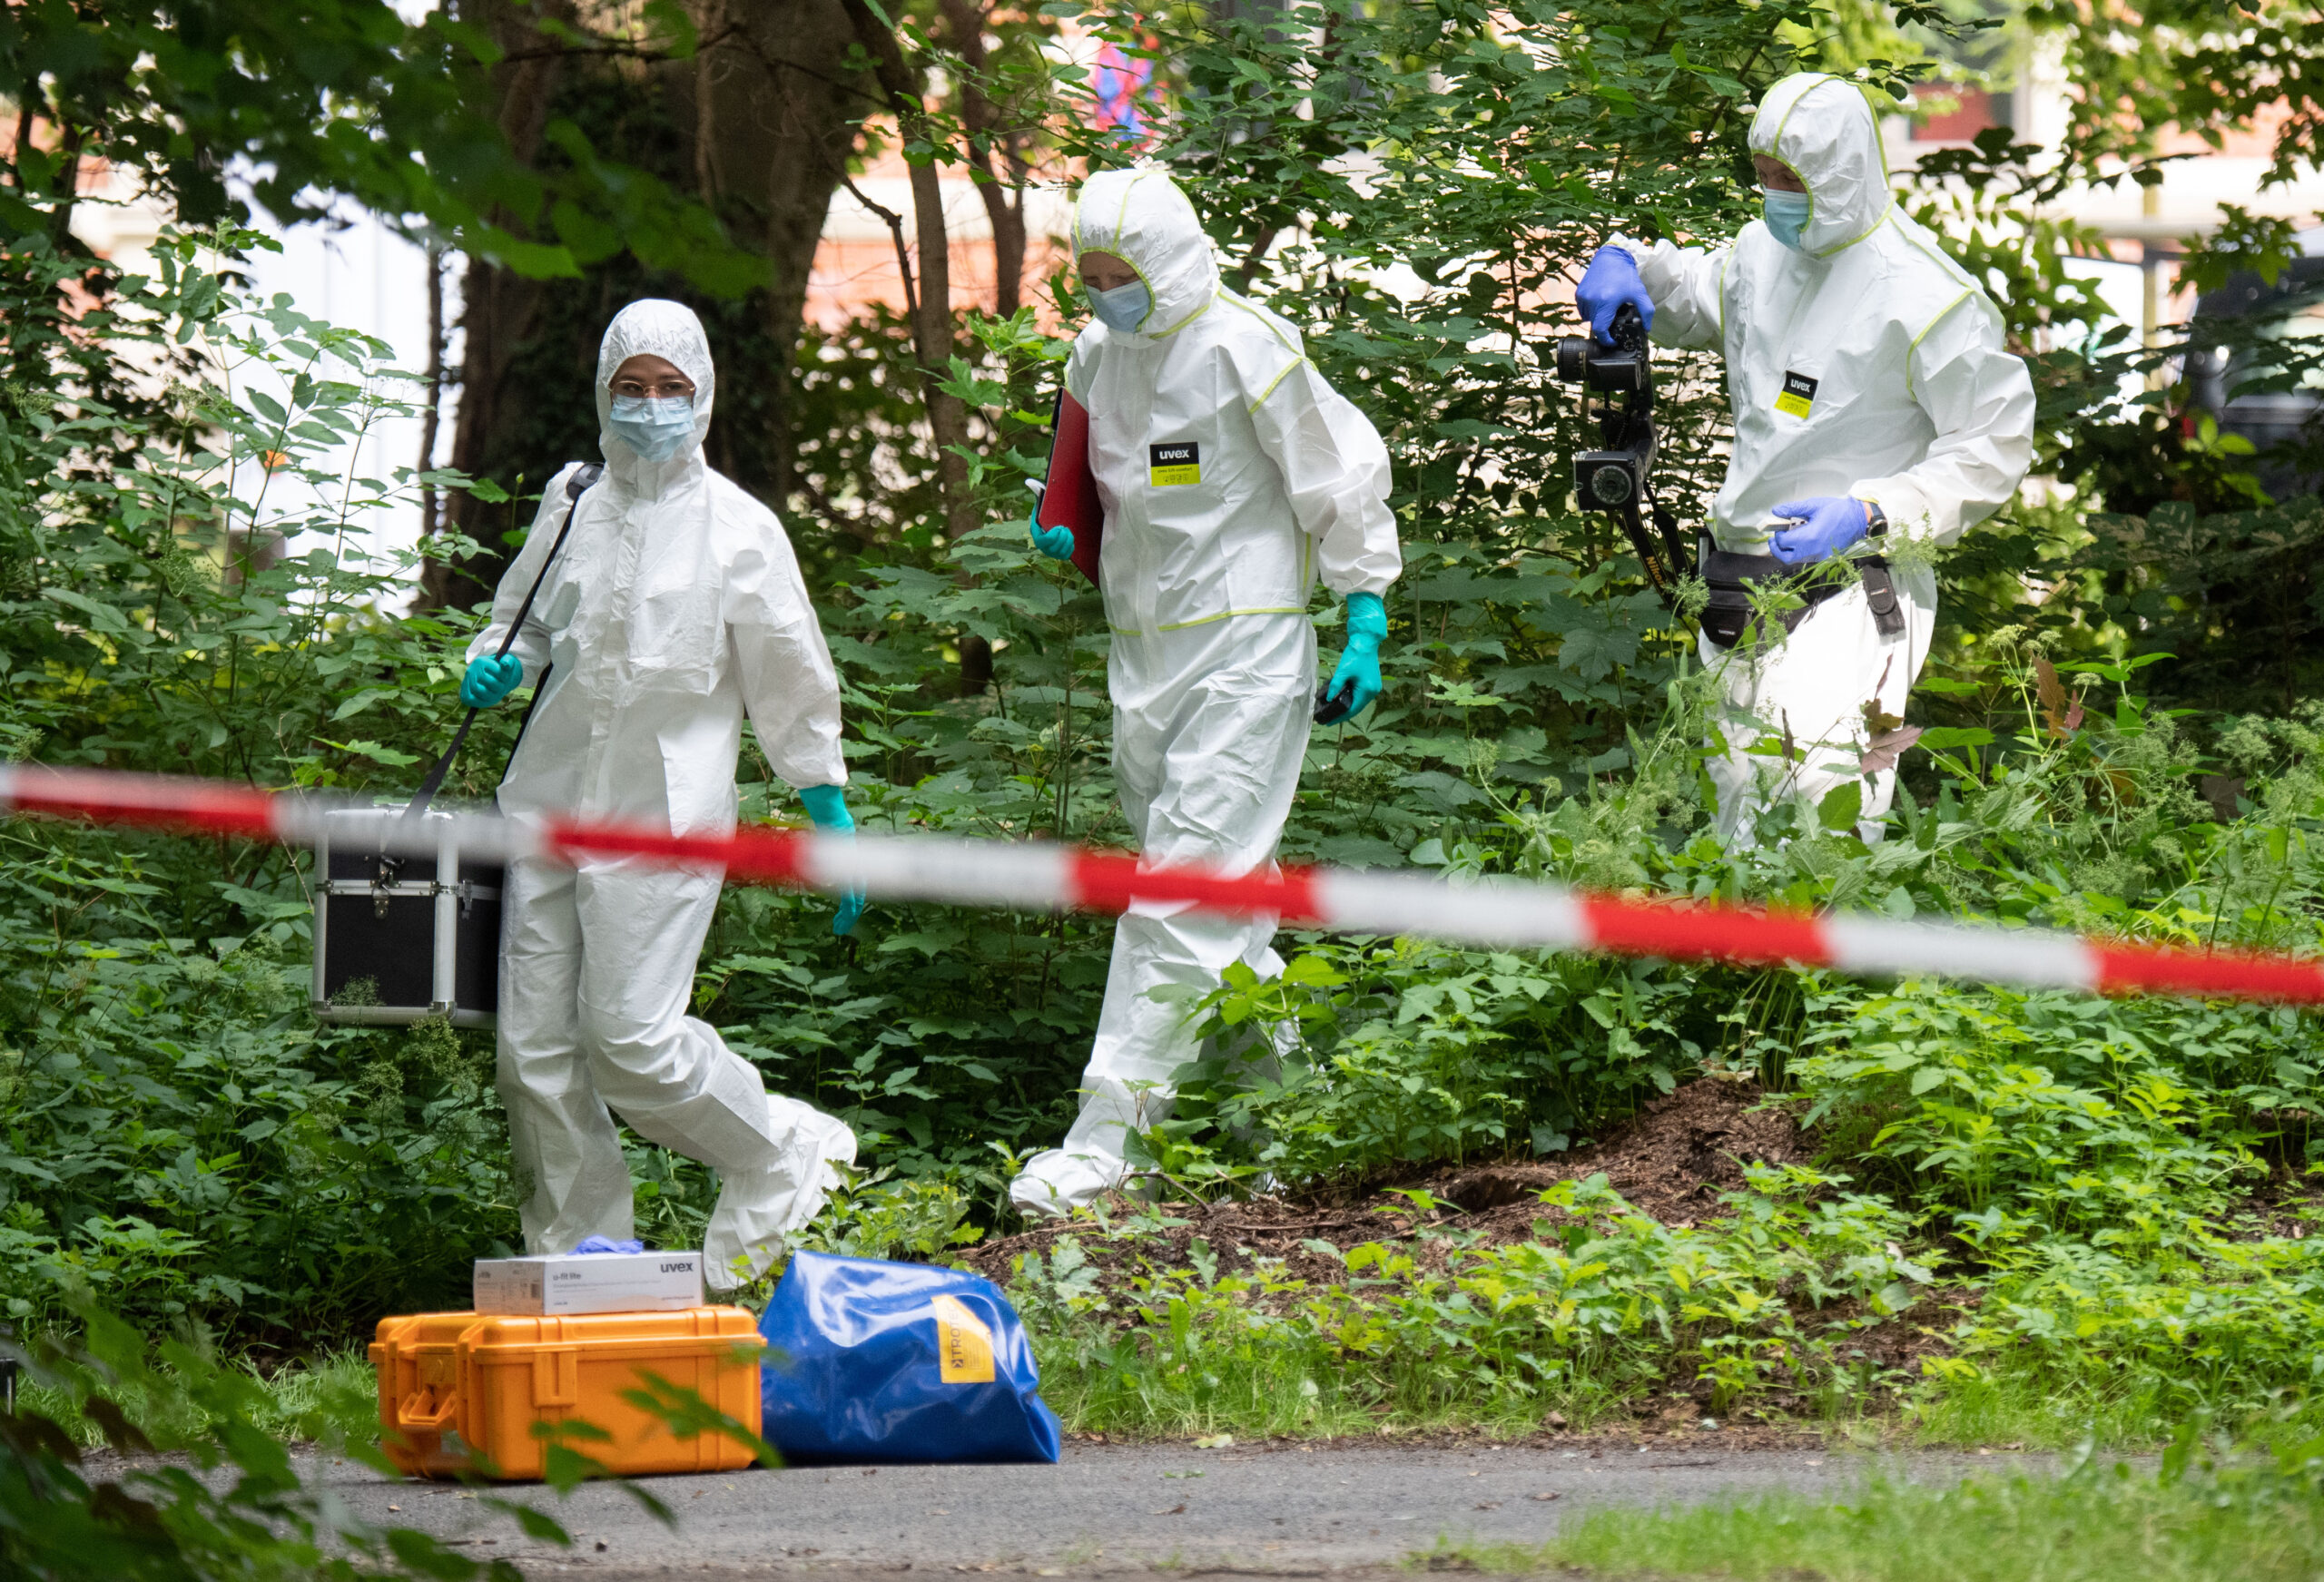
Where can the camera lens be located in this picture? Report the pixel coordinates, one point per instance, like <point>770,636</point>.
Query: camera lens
<point>1573,358</point>
<point>1610,486</point>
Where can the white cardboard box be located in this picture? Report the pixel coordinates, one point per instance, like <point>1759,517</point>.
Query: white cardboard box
<point>590,1282</point>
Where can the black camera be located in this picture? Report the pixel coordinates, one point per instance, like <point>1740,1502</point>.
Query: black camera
<point>1582,361</point>
<point>1609,480</point>
<point>1615,478</point>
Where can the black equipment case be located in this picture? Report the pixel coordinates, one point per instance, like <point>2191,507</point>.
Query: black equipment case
<point>402,940</point>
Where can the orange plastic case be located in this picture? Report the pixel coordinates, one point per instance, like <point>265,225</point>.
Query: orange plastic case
<point>460,1391</point>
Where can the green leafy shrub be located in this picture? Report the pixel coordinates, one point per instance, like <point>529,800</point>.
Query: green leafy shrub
<point>2095,1161</point>
<point>1406,1051</point>
<point>189,1143</point>
<point>226,1502</point>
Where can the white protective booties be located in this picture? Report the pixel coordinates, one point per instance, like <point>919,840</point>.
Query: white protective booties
<point>758,1207</point>
<point>1057,1181</point>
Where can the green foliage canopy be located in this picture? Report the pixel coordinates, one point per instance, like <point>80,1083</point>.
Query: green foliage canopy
<point>330,99</point>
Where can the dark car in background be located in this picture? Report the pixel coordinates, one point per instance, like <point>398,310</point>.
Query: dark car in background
<point>2233,329</point>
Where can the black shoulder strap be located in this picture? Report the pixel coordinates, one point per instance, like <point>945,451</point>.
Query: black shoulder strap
<point>575,487</point>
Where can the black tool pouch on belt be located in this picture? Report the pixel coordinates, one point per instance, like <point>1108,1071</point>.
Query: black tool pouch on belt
<point>1730,577</point>
<point>1880,593</point>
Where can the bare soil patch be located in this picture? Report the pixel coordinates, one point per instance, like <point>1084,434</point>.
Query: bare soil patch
<point>2288,1204</point>
<point>1671,1160</point>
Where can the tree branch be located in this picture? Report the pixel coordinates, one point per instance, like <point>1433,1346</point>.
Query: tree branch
<point>896,229</point>
<point>625,48</point>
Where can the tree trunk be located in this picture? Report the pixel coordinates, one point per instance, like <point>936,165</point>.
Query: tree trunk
<point>904,86</point>
<point>947,415</point>
<point>430,423</point>
<point>760,121</point>
<point>497,309</point>
<point>998,152</point>
<point>776,123</point>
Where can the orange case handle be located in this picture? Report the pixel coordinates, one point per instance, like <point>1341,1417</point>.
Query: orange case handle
<point>409,1416</point>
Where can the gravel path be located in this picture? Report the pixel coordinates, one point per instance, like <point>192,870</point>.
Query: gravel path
<point>1112,1509</point>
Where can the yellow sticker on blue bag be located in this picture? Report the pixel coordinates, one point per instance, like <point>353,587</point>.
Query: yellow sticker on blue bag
<point>1169,465</point>
<point>963,1344</point>
<point>1799,397</point>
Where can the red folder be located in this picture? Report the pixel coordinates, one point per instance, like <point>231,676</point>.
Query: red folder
<point>1070,499</point>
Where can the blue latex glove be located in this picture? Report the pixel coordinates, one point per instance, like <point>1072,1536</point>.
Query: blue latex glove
<point>827,806</point>
<point>1611,280</point>
<point>490,680</point>
<point>1820,528</point>
<point>1057,543</point>
<point>1354,685</point>
<point>607,1244</point>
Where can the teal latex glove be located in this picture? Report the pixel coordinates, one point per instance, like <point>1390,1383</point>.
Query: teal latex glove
<point>1354,686</point>
<point>1057,543</point>
<point>827,806</point>
<point>490,679</point>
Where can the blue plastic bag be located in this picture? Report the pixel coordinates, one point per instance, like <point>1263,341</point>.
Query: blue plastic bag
<point>869,1361</point>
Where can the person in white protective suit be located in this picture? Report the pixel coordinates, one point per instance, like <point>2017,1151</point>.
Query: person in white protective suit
<point>1231,477</point>
<point>1873,400</point>
<point>674,604</point>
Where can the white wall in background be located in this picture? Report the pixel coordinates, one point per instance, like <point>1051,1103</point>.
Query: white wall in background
<point>365,277</point>
<point>361,276</point>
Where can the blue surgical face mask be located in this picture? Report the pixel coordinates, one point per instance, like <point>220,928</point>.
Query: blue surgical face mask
<point>1124,307</point>
<point>655,427</point>
<point>1786,214</point>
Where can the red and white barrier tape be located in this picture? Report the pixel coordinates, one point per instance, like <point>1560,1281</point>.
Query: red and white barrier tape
<point>1494,913</point>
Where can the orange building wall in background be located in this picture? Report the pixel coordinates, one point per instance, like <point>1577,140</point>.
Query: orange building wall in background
<point>855,265</point>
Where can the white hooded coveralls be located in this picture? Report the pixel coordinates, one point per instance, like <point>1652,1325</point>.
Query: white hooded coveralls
<point>1232,477</point>
<point>674,604</point>
<point>1910,401</point>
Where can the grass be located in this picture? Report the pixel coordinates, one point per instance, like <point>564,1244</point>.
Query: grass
<point>1256,1391</point>
<point>2095,1525</point>
<point>2116,1409</point>
<point>336,1390</point>
<point>1259,1383</point>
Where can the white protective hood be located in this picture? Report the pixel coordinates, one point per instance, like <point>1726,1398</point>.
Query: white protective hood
<point>1142,217</point>
<point>1820,129</point>
<point>655,327</point>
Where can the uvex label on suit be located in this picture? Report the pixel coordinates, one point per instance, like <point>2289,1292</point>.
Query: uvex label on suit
<point>1171,464</point>
<point>1799,395</point>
